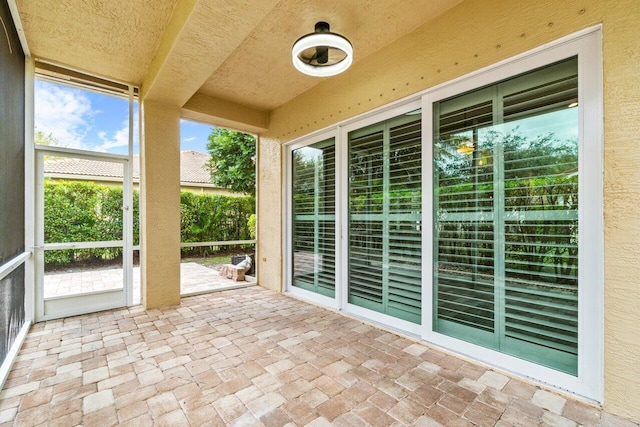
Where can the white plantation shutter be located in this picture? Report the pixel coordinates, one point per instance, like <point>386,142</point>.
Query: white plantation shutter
<point>506,216</point>
<point>385,228</point>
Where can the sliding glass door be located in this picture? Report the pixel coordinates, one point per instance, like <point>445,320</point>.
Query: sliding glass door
<point>505,217</point>
<point>470,214</point>
<point>385,209</point>
<point>505,212</point>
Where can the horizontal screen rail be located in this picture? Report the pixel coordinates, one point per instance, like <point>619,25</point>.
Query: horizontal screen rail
<point>81,245</point>
<point>223,243</point>
<point>12,264</point>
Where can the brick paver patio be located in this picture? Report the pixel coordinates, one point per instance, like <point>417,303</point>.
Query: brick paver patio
<point>194,279</point>
<point>251,356</point>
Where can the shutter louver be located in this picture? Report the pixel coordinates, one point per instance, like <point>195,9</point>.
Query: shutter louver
<point>365,225</point>
<point>465,240</point>
<point>405,221</point>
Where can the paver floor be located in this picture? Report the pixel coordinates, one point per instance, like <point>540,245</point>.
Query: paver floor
<point>194,278</point>
<point>251,356</point>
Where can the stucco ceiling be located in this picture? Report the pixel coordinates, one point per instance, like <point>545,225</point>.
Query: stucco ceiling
<point>112,38</point>
<point>234,52</point>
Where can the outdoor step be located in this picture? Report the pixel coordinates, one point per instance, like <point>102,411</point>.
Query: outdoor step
<point>232,272</point>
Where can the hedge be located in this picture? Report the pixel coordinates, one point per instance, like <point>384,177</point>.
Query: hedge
<point>214,218</point>
<point>81,211</point>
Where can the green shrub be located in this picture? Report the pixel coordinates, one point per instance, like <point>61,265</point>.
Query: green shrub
<point>80,211</point>
<point>251,223</point>
<point>213,218</point>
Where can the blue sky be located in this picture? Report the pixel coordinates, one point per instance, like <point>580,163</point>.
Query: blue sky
<point>193,135</point>
<point>88,120</point>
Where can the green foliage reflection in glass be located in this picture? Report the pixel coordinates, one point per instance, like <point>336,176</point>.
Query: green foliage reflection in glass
<point>506,216</point>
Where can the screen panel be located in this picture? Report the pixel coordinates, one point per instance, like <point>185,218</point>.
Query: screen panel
<point>12,174</point>
<point>11,143</point>
<point>12,313</point>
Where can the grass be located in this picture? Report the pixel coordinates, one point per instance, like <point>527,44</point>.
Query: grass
<point>211,262</point>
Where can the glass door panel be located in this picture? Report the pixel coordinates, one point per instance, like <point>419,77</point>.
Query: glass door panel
<point>506,216</point>
<point>314,236</point>
<point>385,229</point>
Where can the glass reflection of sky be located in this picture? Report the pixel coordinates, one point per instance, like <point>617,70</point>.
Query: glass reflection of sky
<point>562,124</point>
<point>308,153</point>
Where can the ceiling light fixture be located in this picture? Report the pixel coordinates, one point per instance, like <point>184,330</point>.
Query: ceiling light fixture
<point>322,53</point>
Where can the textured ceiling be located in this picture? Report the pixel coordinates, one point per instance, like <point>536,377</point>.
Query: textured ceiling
<point>232,51</point>
<point>260,73</point>
<point>113,38</point>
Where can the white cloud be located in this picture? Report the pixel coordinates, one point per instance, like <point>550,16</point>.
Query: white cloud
<point>69,116</point>
<point>193,138</point>
<point>120,137</point>
<point>64,113</point>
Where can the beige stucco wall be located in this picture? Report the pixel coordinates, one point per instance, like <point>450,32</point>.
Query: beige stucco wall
<point>160,205</point>
<point>473,35</point>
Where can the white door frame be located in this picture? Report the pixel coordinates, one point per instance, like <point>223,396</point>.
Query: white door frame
<point>53,308</point>
<point>589,381</point>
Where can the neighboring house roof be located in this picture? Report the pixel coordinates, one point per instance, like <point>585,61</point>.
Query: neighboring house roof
<point>193,168</point>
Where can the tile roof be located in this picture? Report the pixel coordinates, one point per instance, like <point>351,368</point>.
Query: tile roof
<point>192,167</point>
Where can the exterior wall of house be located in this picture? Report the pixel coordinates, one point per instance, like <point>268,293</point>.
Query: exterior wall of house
<point>473,35</point>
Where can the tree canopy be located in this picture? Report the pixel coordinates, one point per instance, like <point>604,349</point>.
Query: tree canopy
<point>232,163</point>
<point>48,139</point>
